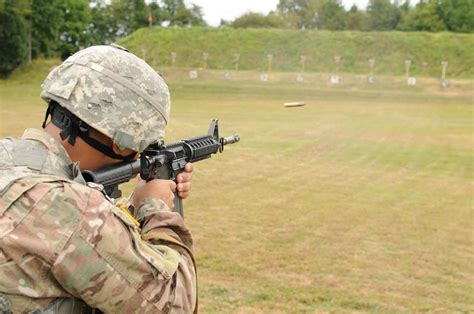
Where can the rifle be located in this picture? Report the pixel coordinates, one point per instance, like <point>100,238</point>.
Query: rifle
<point>160,161</point>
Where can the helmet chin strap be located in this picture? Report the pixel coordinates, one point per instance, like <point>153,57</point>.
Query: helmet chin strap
<point>73,127</point>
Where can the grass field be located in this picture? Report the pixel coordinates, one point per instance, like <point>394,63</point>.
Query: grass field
<point>361,201</point>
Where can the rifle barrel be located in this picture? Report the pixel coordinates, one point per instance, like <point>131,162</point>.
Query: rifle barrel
<point>230,139</point>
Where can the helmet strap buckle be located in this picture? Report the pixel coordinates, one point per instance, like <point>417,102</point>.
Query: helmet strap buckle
<point>73,127</point>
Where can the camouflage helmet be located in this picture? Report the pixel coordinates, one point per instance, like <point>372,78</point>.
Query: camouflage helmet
<point>114,92</point>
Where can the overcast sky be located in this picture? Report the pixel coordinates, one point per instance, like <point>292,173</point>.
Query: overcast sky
<point>215,10</point>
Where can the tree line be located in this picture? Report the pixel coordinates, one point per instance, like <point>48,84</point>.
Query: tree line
<point>32,28</point>
<point>379,15</point>
<point>50,28</point>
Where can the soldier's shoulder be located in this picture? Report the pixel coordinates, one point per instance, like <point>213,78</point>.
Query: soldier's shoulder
<point>83,196</point>
<point>5,151</point>
<point>59,192</point>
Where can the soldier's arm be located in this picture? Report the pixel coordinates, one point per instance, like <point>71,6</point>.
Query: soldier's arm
<point>115,266</point>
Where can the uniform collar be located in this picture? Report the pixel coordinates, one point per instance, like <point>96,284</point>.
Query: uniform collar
<point>47,140</point>
<point>58,150</point>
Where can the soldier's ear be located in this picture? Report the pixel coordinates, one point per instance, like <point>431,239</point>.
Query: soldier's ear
<point>118,149</point>
<point>123,150</point>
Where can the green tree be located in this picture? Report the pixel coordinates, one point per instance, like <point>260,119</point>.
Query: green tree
<point>75,20</point>
<point>332,16</point>
<point>197,17</point>
<point>176,13</point>
<point>383,15</point>
<point>102,28</point>
<point>405,9</point>
<point>46,20</point>
<point>119,19</point>
<point>188,17</point>
<point>257,20</point>
<point>156,12</point>
<point>224,23</point>
<point>424,17</point>
<point>356,19</point>
<point>300,13</point>
<point>170,10</point>
<point>127,16</point>
<point>13,38</point>
<point>457,15</point>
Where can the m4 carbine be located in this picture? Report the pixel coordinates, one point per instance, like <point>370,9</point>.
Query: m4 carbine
<point>161,161</point>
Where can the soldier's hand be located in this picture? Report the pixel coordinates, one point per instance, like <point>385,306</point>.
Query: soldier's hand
<point>158,189</point>
<point>184,181</point>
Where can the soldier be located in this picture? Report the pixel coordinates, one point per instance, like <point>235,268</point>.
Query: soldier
<point>64,246</point>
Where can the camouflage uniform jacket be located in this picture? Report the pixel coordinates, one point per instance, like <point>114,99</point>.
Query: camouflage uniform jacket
<point>61,238</point>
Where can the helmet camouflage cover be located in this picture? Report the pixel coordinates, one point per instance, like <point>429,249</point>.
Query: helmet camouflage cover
<point>114,92</point>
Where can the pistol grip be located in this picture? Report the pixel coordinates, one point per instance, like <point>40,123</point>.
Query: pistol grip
<point>178,204</point>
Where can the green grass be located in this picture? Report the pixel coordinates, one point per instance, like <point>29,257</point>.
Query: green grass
<point>390,49</point>
<point>360,201</point>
